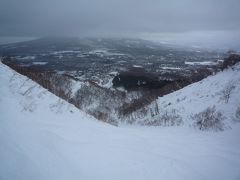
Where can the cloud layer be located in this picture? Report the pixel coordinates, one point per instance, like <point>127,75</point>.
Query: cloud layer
<point>117,17</point>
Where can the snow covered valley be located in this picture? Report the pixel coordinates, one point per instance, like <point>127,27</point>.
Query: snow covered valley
<point>44,137</point>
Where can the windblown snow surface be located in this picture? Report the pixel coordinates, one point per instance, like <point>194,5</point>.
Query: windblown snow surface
<point>43,137</point>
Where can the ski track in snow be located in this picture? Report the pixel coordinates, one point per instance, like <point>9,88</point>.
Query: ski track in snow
<point>43,137</point>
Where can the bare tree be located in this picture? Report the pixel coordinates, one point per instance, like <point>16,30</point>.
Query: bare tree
<point>226,92</point>
<point>209,119</point>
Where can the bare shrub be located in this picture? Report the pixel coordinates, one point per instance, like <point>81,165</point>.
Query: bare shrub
<point>237,114</point>
<point>226,92</point>
<point>29,106</point>
<point>29,90</point>
<point>166,118</point>
<point>58,106</point>
<point>209,119</point>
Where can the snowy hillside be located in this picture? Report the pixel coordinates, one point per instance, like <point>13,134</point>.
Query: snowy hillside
<point>221,91</point>
<point>43,137</point>
<point>207,93</point>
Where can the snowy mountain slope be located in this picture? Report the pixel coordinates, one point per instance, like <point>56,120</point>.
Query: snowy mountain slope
<point>198,96</point>
<point>42,137</point>
<point>207,93</point>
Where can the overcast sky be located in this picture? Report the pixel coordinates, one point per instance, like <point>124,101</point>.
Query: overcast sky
<point>168,20</point>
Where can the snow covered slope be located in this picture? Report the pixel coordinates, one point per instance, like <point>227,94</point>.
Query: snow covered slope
<point>221,90</point>
<point>42,137</point>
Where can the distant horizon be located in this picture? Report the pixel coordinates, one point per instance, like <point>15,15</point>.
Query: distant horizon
<point>171,39</point>
<point>209,24</point>
<point>15,39</point>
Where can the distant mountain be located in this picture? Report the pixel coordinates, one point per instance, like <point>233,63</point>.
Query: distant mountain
<point>124,45</point>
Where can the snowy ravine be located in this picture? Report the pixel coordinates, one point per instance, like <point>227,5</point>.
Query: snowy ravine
<point>43,137</point>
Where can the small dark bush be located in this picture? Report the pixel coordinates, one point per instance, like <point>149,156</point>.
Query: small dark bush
<point>237,114</point>
<point>209,119</point>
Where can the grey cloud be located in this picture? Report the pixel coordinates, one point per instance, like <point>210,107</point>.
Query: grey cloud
<point>116,17</point>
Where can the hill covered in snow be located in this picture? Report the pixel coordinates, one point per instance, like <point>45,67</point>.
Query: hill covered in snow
<point>220,92</point>
<point>44,137</point>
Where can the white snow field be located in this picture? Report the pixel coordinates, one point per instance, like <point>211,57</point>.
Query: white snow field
<point>42,137</point>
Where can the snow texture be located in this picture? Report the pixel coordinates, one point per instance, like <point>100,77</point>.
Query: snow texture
<point>43,137</point>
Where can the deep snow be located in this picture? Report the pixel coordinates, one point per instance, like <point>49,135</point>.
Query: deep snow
<point>43,137</point>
